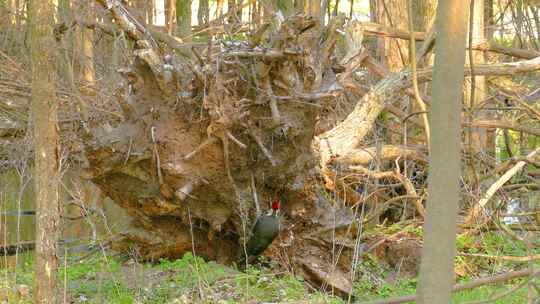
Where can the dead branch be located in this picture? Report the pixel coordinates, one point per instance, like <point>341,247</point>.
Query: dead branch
<point>376,29</point>
<point>411,191</point>
<point>497,279</point>
<point>388,152</point>
<point>348,135</point>
<point>128,23</point>
<point>499,124</point>
<point>520,259</point>
<point>475,211</point>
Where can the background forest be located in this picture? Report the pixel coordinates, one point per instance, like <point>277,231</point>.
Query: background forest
<point>140,142</point>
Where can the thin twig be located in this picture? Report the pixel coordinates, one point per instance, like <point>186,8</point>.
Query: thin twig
<point>204,144</point>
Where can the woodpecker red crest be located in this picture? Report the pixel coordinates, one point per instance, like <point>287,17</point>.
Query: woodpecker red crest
<point>276,204</point>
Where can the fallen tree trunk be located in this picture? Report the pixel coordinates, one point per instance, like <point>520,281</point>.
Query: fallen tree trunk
<point>205,139</point>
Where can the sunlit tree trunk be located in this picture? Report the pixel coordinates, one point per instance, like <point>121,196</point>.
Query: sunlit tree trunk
<point>64,58</point>
<point>475,94</point>
<point>170,15</point>
<point>234,13</point>
<point>313,7</point>
<point>4,14</point>
<point>478,57</point>
<point>488,19</point>
<point>183,18</point>
<point>299,6</point>
<point>392,52</point>
<point>203,12</point>
<point>219,8</point>
<point>46,141</point>
<point>150,7</point>
<point>88,74</point>
<point>268,8</point>
<point>424,14</point>
<point>437,265</point>
<point>17,9</point>
<point>518,16</point>
<point>393,13</point>
<point>255,14</point>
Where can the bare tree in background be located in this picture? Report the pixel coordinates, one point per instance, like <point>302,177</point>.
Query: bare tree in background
<point>88,74</point>
<point>437,266</point>
<point>44,108</point>
<point>183,15</point>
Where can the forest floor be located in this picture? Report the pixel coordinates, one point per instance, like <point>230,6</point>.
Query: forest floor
<point>106,278</point>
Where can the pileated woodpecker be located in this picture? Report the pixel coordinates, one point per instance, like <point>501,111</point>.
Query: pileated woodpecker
<point>264,231</point>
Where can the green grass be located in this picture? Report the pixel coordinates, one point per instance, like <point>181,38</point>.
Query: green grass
<point>365,291</point>
<point>191,279</point>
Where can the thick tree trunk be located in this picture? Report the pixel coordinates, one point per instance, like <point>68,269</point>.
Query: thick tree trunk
<point>46,141</point>
<point>392,52</point>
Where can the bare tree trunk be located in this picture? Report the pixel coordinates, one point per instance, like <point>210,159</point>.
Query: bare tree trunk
<point>475,92</point>
<point>518,16</point>
<point>150,8</point>
<point>234,12</point>
<point>203,12</point>
<point>437,264</point>
<point>219,8</point>
<point>46,141</point>
<point>313,8</point>
<point>170,15</point>
<point>392,52</point>
<point>183,15</point>
<point>268,9</point>
<point>424,13</point>
<point>489,23</point>
<point>286,6</point>
<point>88,74</point>
<point>299,6</point>
<point>17,9</point>
<point>255,14</point>
<point>64,59</point>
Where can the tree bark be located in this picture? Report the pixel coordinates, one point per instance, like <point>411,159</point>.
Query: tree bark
<point>437,265</point>
<point>475,94</point>
<point>313,8</point>
<point>64,58</point>
<point>183,15</point>
<point>203,12</point>
<point>286,6</point>
<point>46,141</point>
<point>391,52</point>
<point>171,15</point>
<point>88,74</point>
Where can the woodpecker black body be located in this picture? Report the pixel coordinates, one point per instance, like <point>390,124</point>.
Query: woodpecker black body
<point>264,232</point>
